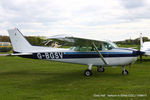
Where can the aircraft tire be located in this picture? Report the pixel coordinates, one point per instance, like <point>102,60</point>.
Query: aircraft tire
<point>100,69</point>
<point>87,72</point>
<point>125,72</point>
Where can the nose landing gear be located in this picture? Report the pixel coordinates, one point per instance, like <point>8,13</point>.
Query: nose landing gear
<point>124,71</point>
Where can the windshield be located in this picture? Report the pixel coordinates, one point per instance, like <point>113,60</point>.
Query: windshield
<point>109,45</point>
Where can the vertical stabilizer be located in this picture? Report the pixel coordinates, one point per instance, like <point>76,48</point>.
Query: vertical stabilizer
<point>19,42</point>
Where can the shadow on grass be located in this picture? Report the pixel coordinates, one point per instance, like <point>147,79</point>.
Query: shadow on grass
<point>59,77</point>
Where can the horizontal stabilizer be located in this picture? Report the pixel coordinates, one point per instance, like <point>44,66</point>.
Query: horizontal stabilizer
<point>20,54</point>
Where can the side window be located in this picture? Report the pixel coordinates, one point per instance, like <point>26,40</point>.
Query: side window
<point>87,48</point>
<point>80,48</point>
<point>5,44</point>
<point>100,47</point>
<point>1,44</point>
<point>92,48</point>
<point>83,49</point>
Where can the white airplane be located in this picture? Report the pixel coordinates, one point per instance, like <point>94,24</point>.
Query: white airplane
<point>85,51</point>
<point>145,46</point>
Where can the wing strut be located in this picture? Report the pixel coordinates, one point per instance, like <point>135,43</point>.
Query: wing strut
<point>100,55</point>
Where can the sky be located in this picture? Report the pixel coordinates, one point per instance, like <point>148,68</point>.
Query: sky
<point>98,19</point>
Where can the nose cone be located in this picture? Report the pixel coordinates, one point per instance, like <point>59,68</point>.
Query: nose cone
<point>138,52</point>
<point>142,53</point>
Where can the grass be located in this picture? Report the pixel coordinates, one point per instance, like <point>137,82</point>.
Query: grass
<point>28,79</point>
<point>6,52</point>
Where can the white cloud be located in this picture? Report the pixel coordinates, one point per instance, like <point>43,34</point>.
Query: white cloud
<point>115,20</point>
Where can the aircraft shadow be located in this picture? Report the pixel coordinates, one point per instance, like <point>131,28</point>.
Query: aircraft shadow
<point>59,77</point>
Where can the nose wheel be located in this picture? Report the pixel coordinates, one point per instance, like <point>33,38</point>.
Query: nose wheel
<point>124,72</point>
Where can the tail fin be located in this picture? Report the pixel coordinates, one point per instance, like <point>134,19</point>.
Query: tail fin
<point>19,42</point>
<point>141,40</point>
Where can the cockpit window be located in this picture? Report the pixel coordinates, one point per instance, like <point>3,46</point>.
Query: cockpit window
<point>113,44</point>
<point>109,46</point>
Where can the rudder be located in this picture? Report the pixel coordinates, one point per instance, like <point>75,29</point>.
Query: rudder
<point>19,42</point>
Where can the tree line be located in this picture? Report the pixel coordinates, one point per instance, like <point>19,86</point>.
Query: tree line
<point>36,40</point>
<point>132,41</point>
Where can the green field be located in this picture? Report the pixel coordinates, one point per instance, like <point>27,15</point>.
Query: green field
<point>27,79</point>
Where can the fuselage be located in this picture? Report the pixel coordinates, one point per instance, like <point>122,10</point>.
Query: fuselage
<point>114,57</point>
<point>85,51</point>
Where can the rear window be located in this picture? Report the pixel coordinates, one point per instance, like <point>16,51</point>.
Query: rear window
<point>1,44</point>
<point>5,44</point>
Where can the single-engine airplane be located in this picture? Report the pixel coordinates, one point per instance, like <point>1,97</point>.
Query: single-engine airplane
<point>85,51</point>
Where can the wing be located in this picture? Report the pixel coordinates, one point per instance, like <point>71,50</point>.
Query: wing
<point>77,41</point>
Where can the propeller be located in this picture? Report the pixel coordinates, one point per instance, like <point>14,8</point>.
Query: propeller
<point>140,47</point>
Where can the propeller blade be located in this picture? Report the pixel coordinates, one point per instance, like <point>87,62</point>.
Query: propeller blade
<point>140,46</point>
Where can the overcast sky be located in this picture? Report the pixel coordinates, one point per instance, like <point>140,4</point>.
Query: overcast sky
<point>107,19</point>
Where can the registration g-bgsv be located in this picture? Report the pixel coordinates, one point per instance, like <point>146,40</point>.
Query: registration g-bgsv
<point>50,55</point>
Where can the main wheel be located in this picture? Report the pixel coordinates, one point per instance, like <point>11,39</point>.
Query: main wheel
<point>87,72</point>
<point>100,69</point>
<point>125,72</point>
